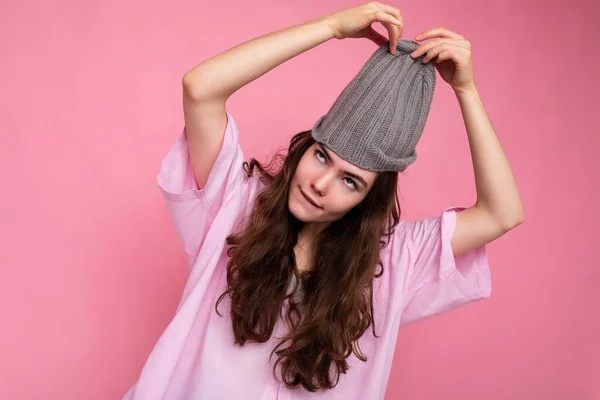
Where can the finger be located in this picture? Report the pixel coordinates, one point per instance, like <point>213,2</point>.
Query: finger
<point>391,25</point>
<point>444,55</point>
<point>391,10</point>
<point>425,47</point>
<point>441,32</point>
<point>461,43</point>
<point>433,53</point>
<point>436,51</point>
<point>456,56</point>
<point>396,30</point>
<point>382,17</point>
<point>394,34</point>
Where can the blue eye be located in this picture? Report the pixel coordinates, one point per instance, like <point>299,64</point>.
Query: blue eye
<point>320,153</point>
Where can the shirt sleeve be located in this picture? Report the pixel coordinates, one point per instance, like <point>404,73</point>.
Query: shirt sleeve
<point>437,281</point>
<point>192,209</point>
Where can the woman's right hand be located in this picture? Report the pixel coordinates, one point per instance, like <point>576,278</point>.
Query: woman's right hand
<point>355,22</point>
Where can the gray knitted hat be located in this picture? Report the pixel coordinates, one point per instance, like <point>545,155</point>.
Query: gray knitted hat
<point>377,120</point>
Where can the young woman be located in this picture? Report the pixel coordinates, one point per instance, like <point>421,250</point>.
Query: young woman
<point>292,264</point>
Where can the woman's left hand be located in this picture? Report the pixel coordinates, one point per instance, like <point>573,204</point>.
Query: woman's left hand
<point>453,56</point>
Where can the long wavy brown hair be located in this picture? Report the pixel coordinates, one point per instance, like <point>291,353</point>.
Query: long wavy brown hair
<point>337,301</point>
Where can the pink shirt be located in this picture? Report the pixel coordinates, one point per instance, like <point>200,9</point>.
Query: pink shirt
<point>195,358</point>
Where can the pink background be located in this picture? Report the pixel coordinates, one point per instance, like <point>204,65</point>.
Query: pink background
<point>92,270</point>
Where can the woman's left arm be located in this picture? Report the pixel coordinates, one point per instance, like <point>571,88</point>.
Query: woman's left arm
<point>497,191</point>
<point>498,207</point>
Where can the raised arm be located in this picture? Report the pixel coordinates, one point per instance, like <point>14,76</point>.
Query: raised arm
<point>208,85</point>
<point>222,75</point>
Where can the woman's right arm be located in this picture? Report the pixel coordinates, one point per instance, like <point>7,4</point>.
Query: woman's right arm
<point>222,75</point>
<point>207,86</point>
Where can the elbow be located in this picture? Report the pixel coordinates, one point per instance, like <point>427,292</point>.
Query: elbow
<point>190,86</point>
<point>198,88</point>
<point>516,221</point>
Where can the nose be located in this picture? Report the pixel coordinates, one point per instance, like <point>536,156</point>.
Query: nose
<point>320,184</point>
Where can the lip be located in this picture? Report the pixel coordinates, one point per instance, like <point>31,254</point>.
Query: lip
<point>311,201</point>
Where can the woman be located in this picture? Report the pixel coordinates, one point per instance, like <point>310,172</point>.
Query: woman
<point>290,266</point>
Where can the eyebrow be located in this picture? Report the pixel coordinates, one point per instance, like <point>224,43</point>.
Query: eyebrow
<point>357,177</point>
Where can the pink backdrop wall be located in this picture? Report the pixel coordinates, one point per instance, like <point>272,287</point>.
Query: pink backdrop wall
<point>91,268</point>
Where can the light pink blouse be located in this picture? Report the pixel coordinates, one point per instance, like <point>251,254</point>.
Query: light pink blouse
<point>195,358</point>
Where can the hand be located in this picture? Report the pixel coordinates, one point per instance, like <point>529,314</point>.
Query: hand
<point>453,56</point>
<point>356,22</point>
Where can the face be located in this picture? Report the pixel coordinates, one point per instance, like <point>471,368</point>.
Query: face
<point>335,185</point>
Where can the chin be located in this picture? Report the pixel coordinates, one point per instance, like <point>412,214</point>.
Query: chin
<point>298,212</point>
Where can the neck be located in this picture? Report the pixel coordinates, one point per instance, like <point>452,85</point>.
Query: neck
<point>310,230</point>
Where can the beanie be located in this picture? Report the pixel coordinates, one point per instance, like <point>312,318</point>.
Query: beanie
<point>377,120</point>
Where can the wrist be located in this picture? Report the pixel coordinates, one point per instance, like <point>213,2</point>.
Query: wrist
<point>465,89</point>
<point>327,24</point>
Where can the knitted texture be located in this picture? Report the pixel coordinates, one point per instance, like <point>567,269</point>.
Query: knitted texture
<point>377,120</point>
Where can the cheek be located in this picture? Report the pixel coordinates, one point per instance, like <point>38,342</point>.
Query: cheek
<point>344,203</point>
<point>307,168</point>
<point>340,201</point>
<point>313,165</point>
